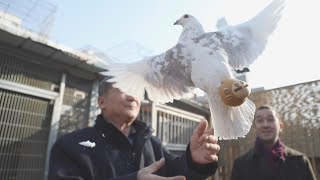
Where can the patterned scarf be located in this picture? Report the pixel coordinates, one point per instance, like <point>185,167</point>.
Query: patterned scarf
<point>274,156</point>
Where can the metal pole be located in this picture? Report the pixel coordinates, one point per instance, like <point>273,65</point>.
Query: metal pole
<point>94,109</point>
<point>154,120</point>
<point>55,123</point>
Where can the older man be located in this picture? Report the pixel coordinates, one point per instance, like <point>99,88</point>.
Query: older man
<point>121,147</point>
<point>270,159</point>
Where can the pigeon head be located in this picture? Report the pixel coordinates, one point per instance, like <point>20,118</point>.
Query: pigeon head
<point>191,27</point>
<point>185,19</point>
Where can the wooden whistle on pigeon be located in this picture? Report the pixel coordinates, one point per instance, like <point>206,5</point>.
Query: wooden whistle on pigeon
<point>233,92</point>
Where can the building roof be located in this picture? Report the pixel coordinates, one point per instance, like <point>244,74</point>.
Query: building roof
<point>18,37</point>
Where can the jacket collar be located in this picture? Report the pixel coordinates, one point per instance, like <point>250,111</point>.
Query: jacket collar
<point>255,153</point>
<point>106,127</point>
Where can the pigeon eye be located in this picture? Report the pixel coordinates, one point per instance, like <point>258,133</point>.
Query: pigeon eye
<point>186,16</point>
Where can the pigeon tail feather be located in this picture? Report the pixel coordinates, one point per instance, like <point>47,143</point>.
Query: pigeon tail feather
<point>231,122</point>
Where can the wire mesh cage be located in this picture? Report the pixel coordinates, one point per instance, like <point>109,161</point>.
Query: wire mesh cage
<point>34,15</point>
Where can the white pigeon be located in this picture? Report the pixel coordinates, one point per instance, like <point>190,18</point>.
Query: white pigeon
<point>202,59</point>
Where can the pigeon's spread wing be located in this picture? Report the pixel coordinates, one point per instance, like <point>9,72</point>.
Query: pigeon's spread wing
<point>245,42</point>
<point>165,77</point>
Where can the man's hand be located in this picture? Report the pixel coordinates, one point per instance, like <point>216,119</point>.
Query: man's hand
<point>203,145</point>
<point>146,173</point>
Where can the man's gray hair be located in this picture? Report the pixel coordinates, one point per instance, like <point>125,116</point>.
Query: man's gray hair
<point>104,85</point>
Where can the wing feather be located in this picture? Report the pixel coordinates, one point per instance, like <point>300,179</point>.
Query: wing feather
<point>245,42</point>
<point>165,77</point>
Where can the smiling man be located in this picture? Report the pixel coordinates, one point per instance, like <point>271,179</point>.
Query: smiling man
<point>270,159</point>
<point>121,147</point>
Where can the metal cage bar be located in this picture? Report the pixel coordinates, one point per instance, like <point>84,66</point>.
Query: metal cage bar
<point>24,124</point>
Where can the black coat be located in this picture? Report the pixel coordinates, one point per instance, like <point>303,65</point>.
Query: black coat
<point>253,166</point>
<point>113,157</point>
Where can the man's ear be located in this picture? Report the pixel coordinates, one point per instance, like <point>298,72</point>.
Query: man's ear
<point>281,126</point>
<point>101,102</point>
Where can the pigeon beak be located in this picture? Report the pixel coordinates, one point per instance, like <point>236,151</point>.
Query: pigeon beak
<point>176,23</point>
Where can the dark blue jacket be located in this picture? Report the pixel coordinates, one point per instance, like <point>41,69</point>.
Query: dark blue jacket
<point>114,157</point>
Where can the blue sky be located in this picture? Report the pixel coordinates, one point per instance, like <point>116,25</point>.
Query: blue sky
<point>291,55</point>
<point>105,23</point>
